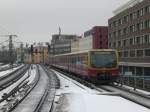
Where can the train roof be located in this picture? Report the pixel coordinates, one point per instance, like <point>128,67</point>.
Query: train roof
<point>85,51</point>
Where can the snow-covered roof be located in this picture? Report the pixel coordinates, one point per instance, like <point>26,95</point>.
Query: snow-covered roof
<point>129,4</point>
<point>85,51</point>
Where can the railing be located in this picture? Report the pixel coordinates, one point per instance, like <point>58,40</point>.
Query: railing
<point>137,82</point>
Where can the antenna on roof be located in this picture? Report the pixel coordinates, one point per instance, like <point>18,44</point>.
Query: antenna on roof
<point>59,32</point>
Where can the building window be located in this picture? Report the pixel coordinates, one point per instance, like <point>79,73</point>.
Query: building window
<point>141,25</point>
<point>147,52</point>
<point>110,35</point>
<point>131,16</point>
<point>119,32</point>
<point>120,54</point>
<point>124,31</point>
<point>146,38</point>
<point>147,9</point>
<point>134,28</point>
<point>126,53</point>
<point>119,43</point>
<point>100,42</point>
<point>110,25</point>
<point>139,71</point>
<point>114,34</point>
<point>146,71</point>
<point>100,36</point>
<point>131,29</point>
<point>114,44</point>
<point>114,23</point>
<point>138,40</point>
<point>119,22</point>
<point>132,53</point>
<point>124,42</point>
<point>126,18</point>
<point>138,26</point>
<point>142,12</point>
<point>147,24</point>
<point>134,15</point>
<point>110,45</point>
<point>138,13</point>
<point>132,69</point>
<point>139,53</point>
<point>131,41</point>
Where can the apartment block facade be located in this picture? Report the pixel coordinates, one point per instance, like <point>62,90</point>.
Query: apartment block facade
<point>129,33</point>
<point>61,44</point>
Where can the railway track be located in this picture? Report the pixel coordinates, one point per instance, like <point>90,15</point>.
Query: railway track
<point>10,88</point>
<point>133,96</point>
<point>6,68</point>
<point>42,94</point>
<point>9,79</point>
<point>46,102</point>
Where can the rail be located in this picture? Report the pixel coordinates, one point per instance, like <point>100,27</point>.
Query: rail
<point>29,89</point>
<point>12,77</point>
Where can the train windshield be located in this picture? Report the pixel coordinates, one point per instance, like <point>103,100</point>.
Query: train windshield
<point>103,59</point>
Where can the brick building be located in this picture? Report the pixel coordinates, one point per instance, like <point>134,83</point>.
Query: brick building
<point>129,32</point>
<point>96,38</point>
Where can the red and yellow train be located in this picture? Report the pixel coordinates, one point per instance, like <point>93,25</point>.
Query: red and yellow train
<point>99,65</point>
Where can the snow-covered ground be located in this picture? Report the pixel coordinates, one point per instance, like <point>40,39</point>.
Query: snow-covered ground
<point>97,103</point>
<point>71,86</point>
<point>74,97</point>
<point>10,88</point>
<point>31,73</point>
<point>2,73</point>
<point>5,65</point>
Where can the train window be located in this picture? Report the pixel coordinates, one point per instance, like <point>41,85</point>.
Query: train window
<point>103,59</point>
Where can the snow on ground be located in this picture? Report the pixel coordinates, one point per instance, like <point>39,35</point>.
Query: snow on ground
<point>11,87</point>
<point>2,73</point>
<point>3,66</point>
<point>32,72</point>
<point>71,86</point>
<point>74,97</point>
<point>97,103</point>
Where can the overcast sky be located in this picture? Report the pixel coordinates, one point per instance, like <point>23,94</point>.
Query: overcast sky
<point>37,20</point>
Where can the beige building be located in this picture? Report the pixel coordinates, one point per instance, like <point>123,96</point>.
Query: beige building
<point>75,45</point>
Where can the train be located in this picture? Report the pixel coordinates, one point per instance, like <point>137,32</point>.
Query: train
<point>98,65</point>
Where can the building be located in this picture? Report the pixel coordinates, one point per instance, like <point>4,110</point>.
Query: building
<point>129,32</point>
<point>95,38</point>
<point>40,54</point>
<point>75,45</point>
<point>61,44</point>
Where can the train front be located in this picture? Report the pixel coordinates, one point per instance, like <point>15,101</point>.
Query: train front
<point>103,65</point>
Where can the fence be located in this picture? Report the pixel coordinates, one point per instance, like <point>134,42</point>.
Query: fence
<point>137,82</point>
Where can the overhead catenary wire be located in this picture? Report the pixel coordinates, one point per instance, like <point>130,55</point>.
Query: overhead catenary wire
<point>1,43</point>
